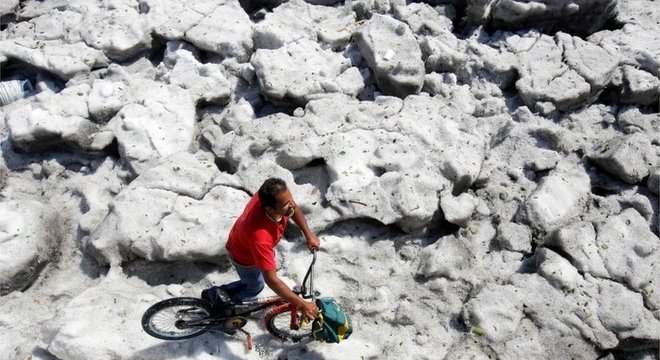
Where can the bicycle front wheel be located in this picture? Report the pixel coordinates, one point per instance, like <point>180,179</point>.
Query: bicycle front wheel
<point>177,318</point>
<point>278,322</point>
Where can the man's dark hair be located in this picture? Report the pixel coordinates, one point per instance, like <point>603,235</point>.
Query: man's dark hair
<point>269,189</point>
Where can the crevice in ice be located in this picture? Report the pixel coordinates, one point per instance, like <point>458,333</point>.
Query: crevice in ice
<point>314,173</point>
<point>20,70</point>
<point>157,273</point>
<point>157,51</point>
<point>7,19</point>
<point>225,165</point>
<point>269,109</point>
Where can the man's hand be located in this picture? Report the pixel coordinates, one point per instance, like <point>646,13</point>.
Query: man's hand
<point>309,310</point>
<point>313,242</point>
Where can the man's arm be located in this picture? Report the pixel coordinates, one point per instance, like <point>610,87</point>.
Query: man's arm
<point>313,242</point>
<point>309,309</point>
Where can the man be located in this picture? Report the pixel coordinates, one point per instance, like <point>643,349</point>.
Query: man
<point>251,245</point>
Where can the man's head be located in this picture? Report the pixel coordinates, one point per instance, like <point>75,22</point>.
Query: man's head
<point>276,198</point>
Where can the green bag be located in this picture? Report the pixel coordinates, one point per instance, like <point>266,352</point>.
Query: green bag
<point>332,325</point>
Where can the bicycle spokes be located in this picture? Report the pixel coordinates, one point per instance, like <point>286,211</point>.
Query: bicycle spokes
<point>191,312</point>
<point>176,319</point>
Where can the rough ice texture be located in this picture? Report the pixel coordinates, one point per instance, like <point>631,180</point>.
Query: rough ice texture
<point>628,158</point>
<point>557,200</point>
<point>632,120</point>
<point>119,32</point>
<point>290,74</point>
<point>424,18</point>
<point>330,26</point>
<point>115,28</point>
<point>580,17</point>
<point>392,53</point>
<point>497,311</point>
<point>594,63</point>
<point>7,7</point>
<point>629,251</point>
<point>61,59</point>
<point>487,190</point>
<point>459,210</point>
<point>654,181</point>
<point>226,31</point>
<point>157,123</point>
<point>639,51</point>
<point>385,160</point>
<point>450,258</point>
<point>515,237</point>
<point>171,19</point>
<point>579,240</point>
<point>28,235</point>
<point>123,299</point>
<point>206,82</point>
<point>546,83</point>
<point>284,26</point>
<point>167,220</point>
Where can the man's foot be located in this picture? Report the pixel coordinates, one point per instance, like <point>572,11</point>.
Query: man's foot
<point>223,297</point>
<point>216,296</point>
<point>205,295</point>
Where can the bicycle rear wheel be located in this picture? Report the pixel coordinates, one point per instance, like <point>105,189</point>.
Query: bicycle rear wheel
<point>278,323</point>
<point>177,318</point>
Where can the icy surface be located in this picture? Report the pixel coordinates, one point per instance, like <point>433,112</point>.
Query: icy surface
<point>483,175</point>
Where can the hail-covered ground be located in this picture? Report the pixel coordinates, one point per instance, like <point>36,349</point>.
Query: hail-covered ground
<point>483,174</point>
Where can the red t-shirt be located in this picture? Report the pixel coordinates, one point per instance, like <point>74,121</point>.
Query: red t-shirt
<point>254,235</point>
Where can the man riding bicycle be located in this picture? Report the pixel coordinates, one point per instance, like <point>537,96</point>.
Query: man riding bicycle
<point>251,246</point>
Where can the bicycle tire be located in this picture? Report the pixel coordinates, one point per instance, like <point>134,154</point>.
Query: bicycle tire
<point>160,320</point>
<point>278,321</point>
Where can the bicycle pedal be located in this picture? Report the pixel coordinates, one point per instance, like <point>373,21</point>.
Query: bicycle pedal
<point>234,323</point>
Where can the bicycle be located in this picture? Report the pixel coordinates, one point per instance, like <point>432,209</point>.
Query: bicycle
<point>182,318</point>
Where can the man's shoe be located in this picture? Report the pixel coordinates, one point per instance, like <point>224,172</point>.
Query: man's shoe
<point>205,295</point>
<point>222,297</point>
<point>216,296</point>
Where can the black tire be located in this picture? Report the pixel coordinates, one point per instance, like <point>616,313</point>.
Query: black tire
<point>278,321</point>
<point>167,319</point>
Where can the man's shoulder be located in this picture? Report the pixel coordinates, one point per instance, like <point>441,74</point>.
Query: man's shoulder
<point>253,211</point>
<point>254,203</point>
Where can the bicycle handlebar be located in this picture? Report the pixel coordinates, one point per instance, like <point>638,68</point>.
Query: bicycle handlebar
<point>310,276</point>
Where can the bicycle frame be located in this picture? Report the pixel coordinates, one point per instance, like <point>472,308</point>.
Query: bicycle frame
<point>296,320</point>
<point>275,302</point>
<point>186,317</point>
<point>239,310</point>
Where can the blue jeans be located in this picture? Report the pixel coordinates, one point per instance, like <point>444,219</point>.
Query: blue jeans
<point>248,287</point>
